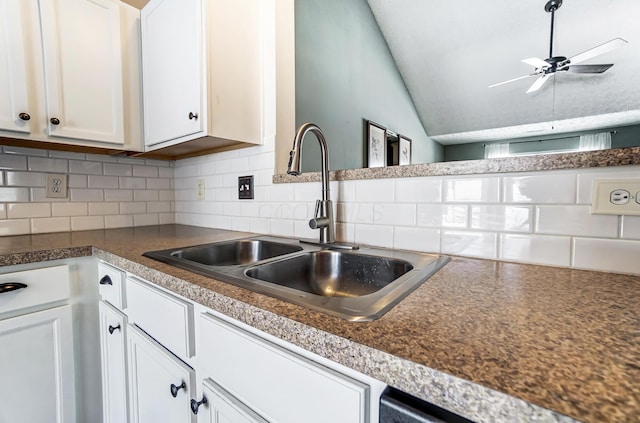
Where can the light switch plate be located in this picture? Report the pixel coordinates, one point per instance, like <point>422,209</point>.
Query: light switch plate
<point>616,196</point>
<point>245,187</point>
<point>56,185</point>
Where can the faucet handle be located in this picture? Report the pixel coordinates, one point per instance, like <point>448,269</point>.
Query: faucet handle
<point>316,214</point>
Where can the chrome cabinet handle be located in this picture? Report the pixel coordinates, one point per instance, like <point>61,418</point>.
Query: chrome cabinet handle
<point>175,389</point>
<point>54,121</point>
<point>114,328</point>
<point>106,280</point>
<point>195,405</point>
<point>24,116</point>
<point>193,116</point>
<point>11,286</point>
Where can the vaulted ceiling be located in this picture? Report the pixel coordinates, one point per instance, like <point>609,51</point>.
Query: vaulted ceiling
<point>450,52</point>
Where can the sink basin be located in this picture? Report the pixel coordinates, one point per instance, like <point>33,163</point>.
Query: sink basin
<point>232,253</point>
<point>357,285</point>
<point>332,273</point>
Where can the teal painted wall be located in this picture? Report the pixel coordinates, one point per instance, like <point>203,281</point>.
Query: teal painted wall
<point>345,74</point>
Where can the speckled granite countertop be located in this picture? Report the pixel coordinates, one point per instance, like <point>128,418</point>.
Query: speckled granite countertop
<point>492,341</point>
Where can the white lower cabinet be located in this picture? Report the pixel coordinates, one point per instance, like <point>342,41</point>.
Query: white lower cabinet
<point>114,364</point>
<point>213,369</point>
<point>160,384</point>
<point>222,407</point>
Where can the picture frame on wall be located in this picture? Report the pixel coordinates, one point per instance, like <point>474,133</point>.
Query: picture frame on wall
<point>404,150</point>
<point>376,145</point>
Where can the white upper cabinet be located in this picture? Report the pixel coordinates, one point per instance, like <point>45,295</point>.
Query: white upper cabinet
<point>70,70</point>
<point>208,71</point>
<point>172,70</point>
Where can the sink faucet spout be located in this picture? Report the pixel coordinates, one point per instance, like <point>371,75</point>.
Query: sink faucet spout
<point>323,219</point>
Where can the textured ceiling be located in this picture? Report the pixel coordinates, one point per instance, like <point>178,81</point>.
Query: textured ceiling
<point>449,52</point>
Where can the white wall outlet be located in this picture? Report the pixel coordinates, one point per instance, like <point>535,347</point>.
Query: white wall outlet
<point>616,196</point>
<point>200,189</point>
<point>56,185</point>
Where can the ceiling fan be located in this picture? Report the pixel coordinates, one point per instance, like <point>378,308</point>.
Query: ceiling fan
<point>547,68</point>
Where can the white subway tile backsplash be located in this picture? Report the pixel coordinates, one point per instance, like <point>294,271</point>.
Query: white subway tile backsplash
<point>166,218</point>
<point>575,220</point>
<point>66,155</point>
<point>619,256</point>
<point>418,239</point>
<point>69,209</point>
<point>84,167</point>
<point>15,227</point>
<point>3,211</point>
<point>118,221</point>
<point>50,224</point>
<point>418,190</point>
<point>86,194</point>
<point>166,172</point>
<point>375,191</point>
<point>145,219</point>
<point>133,208</point>
<point>158,183</point>
<point>442,215</point>
<point>78,181</point>
<point>355,213</point>
<point>585,179</point>
<point>27,210</point>
<point>282,227</point>
<point>394,214</point>
<point>103,182</point>
<point>14,195</point>
<point>345,232</point>
<point>347,191</point>
<point>117,169</point>
<point>132,183</point>
<point>39,195</point>
<point>118,195</point>
<point>145,195</point>
<point>630,227</point>
<point>44,164</point>
<point>159,207</point>
<point>9,149</point>
<point>25,179</point>
<point>145,171</point>
<point>381,236</point>
<point>470,244</point>
<point>542,188</point>
<point>501,218</point>
<point>87,223</point>
<point>472,190</point>
<point>103,208</point>
<point>540,249</point>
<point>13,162</point>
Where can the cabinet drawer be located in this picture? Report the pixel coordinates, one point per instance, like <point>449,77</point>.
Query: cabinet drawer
<point>35,288</point>
<point>166,318</point>
<point>279,385</point>
<point>111,285</point>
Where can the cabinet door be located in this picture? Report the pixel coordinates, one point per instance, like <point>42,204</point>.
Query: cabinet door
<point>172,63</point>
<point>114,364</point>
<point>82,54</point>
<point>13,69</point>
<point>37,368</point>
<point>155,375</point>
<point>222,407</point>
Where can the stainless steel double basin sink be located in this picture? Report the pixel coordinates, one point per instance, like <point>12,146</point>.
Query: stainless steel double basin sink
<point>357,285</point>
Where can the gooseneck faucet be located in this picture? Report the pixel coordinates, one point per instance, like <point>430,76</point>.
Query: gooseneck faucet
<point>323,219</point>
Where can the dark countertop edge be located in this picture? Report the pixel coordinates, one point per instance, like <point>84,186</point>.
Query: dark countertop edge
<point>434,386</point>
<point>628,156</point>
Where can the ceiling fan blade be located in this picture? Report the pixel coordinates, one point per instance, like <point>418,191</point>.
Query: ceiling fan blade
<point>512,80</point>
<point>596,51</point>
<point>588,68</point>
<point>536,62</point>
<point>540,82</point>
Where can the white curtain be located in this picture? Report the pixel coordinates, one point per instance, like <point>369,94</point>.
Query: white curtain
<point>492,151</point>
<point>600,141</point>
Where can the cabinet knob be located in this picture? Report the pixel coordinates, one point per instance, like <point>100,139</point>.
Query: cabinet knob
<point>193,116</point>
<point>175,389</point>
<point>195,405</point>
<point>11,286</point>
<point>24,116</point>
<point>54,121</point>
<point>106,280</point>
<point>114,328</point>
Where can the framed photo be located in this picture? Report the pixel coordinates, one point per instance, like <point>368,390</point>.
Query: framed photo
<point>376,145</point>
<point>404,150</point>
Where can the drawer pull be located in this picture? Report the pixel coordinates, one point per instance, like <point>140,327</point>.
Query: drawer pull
<point>193,116</point>
<point>175,389</point>
<point>195,405</point>
<point>114,328</point>
<point>106,280</point>
<point>11,286</point>
<point>24,116</point>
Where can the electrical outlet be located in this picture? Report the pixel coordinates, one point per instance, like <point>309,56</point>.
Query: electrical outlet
<point>616,196</point>
<point>245,187</point>
<point>200,189</point>
<point>56,185</point>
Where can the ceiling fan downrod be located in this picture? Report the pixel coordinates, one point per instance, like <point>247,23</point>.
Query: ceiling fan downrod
<point>551,7</point>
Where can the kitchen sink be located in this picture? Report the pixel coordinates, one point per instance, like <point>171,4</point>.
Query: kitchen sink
<point>332,273</point>
<point>230,253</point>
<point>357,285</point>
